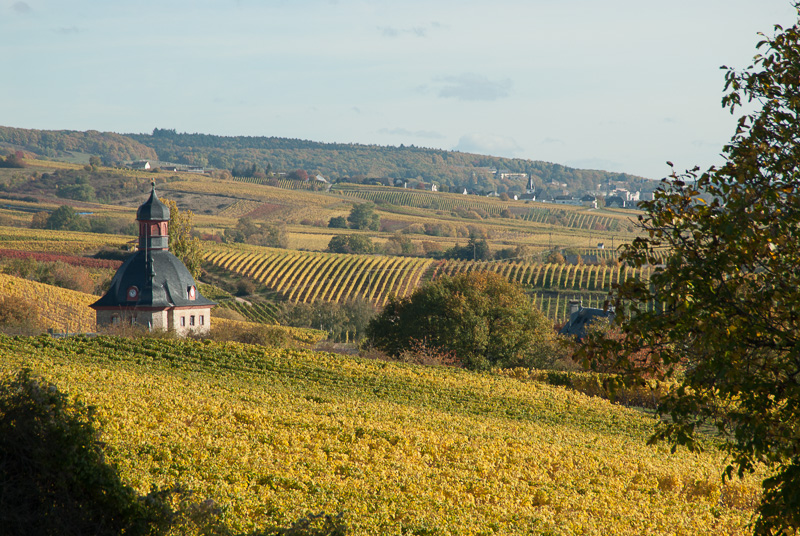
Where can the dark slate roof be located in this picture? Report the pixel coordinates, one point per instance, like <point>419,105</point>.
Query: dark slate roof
<point>169,286</point>
<point>153,209</point>
<point>580,320</point>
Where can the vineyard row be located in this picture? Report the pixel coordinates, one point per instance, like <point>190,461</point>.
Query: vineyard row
<point>310,277</point>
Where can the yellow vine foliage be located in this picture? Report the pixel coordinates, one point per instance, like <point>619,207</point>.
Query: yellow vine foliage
<point>307,336</point>
<point>53,241</point>
<point>60,309</point>
<point>272,435</point>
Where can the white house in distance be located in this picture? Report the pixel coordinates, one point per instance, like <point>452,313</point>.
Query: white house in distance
<point>140,165</point>
<point>153,288</point>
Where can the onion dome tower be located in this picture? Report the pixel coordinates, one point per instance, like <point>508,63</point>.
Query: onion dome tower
<point>153,288</point>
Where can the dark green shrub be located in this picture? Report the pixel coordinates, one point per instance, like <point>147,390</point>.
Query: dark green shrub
<point>53,475</point>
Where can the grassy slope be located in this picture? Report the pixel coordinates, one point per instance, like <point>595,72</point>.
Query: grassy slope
<point>272,435</point>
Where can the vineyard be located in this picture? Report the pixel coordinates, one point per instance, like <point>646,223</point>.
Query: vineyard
<point>286,184</point>
<point>569,217</point>
<point>260,312</point>
<point>66,242</point>
<point>543,276</point>
<point>310,277</point>
<point>74,260</point>
<point>59,309</point>
<point>271,435</point>
<point>420,199</point>
<point>241,190</point>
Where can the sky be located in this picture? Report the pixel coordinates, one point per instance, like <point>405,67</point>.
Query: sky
<point>617,85</point>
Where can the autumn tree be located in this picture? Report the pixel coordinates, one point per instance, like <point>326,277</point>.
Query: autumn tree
<point>720,314</point>
<point>362,216</point>
<point>350,244</point>
<point>477,249</point>
<point>181,242</point>
<point>13,160</point>
<point>483,318</point>
<point>66,218</point>
<point>260,234</point>
<point>338,222</point>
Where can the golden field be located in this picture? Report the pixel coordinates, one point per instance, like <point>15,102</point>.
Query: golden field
<point>271,435</point>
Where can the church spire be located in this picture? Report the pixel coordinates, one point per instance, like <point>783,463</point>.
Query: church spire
<point>153,218</point>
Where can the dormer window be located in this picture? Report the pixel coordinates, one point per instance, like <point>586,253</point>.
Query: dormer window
<point>132,294</point>
<point>192,292</point>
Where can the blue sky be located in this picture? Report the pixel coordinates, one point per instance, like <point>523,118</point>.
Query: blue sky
<point>621,85</point>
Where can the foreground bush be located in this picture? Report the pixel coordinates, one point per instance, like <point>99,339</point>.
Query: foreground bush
<point>54,479</point>
<point>53,475</point>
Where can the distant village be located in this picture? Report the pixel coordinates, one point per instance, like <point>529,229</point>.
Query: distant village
<point>610,196</point>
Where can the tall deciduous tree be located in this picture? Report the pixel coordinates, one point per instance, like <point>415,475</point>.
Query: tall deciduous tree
<point>350,244</point>
<point>726,320</point>
<point>66,218</point>
<point>181,242</point>
<point>362,216</point>
<point>480,316</point>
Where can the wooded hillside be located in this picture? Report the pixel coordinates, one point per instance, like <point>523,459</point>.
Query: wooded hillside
<point>109,146</point>
<point>448,169</point>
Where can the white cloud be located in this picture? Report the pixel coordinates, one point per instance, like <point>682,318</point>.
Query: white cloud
<point>21,7</point>
<point>430,134</point>
<point>490,144</point>
<point>549,140</point>
<point>595,163</point>
<point>391,31</point>
<point>473,87</point>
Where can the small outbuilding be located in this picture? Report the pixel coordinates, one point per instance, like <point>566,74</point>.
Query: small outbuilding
<point>153,288</point>
<point>580,317</point>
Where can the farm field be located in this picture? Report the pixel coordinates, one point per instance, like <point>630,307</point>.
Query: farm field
<point>218,204</point>
<point>271,435</point>
<point>309,277</point>
<point>59,309</point>
<point>567,216</point>
<point>313,275</point>
<point>67,311</point>
<point>69,242</point>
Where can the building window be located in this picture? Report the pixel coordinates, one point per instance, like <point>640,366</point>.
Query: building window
<point>202,320</point>
<point>183,321</point>
<point>191,320</point>
<point>115,320</point>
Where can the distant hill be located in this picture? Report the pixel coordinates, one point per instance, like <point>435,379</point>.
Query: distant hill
<point>59,144</point>
<point>336,161</point>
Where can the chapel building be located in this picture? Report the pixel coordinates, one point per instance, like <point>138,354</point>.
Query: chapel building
<point>153,288</point>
